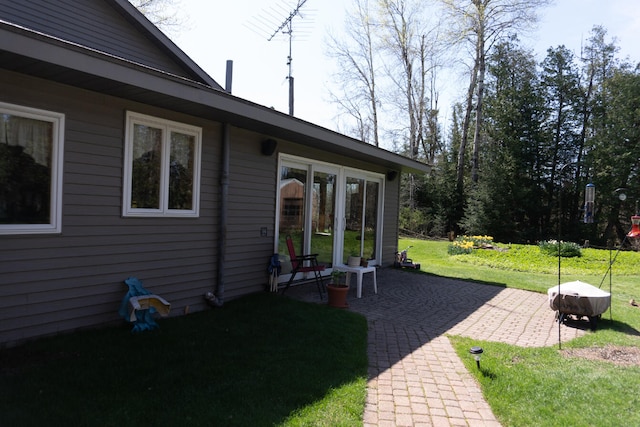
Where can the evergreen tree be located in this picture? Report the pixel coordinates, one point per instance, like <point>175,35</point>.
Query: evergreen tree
<point>615,151</point>
<point>565,109</point>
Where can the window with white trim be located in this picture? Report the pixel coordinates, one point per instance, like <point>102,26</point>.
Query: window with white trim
<point>31,159</point>
<point>162,167</point>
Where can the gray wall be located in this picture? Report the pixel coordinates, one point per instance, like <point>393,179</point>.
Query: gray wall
<point>252,205</point>
<point>52,283</point>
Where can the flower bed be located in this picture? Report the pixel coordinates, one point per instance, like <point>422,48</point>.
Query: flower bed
<point>466,244</point>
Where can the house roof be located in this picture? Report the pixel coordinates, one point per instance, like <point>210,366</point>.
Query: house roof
<point>33,52</point>
<point>133,15</point>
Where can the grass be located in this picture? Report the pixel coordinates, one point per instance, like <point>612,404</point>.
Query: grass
<point>526,267</point>
<point>540,386</point>
<point>262,360</point>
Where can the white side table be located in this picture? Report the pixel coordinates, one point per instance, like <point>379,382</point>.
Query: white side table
<point>359,271</point>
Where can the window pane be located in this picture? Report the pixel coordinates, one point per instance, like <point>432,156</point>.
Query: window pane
<point>25,170</point>
<point>324,202</point>
<point>181,171</point>
<point>370,221</point>
<point>354,202</point>
<point>147,154</point>
<point>292,197</point>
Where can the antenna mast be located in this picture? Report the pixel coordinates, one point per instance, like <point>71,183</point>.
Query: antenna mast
<point>287,28</point>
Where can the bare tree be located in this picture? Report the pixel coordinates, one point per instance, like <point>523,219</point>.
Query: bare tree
<point>400,44</point>
<point>480,24</point>
<point>388,59</point>
<point>357,72</point>
<point>164,14</point>
<point>411,48</point>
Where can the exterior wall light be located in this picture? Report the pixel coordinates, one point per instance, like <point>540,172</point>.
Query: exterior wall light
<point>268,147</point>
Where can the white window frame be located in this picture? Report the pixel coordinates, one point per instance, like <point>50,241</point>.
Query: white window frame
<point>57,162</point>
<point>167,126</point>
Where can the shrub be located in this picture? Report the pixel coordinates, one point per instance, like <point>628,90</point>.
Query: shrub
<point>567,249</point>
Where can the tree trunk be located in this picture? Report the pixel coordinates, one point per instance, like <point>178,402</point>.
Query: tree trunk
<point>477,136</point>
<point>465,127</point>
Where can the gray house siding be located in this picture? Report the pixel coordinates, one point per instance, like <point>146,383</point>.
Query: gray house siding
<point>252,205</point>
<point>94,24</point>
<point>53,283</point>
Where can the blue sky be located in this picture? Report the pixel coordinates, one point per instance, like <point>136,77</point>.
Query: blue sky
<point>237,30</point>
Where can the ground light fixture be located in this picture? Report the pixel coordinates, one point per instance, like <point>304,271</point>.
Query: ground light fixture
<point>477,353</point>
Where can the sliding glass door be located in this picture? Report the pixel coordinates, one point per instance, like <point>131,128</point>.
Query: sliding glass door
<point>292,207</point>
<point>361,212</point>
<point>328,210</point>
<point>323,213</point>
<point>308,209</point>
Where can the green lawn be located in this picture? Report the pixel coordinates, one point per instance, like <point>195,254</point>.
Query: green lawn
<point>543,386</point>
<point>262,360</point>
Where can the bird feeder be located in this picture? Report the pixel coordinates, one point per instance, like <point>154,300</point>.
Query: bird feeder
<point>589,201</point>
<point>635,227</point>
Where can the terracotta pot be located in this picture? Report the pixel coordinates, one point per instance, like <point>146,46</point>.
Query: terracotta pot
<point>337,295</point>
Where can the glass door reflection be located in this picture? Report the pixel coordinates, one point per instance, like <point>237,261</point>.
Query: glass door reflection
<point>323,216</point>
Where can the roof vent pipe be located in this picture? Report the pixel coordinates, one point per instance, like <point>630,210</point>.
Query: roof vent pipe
<point>229,77</point>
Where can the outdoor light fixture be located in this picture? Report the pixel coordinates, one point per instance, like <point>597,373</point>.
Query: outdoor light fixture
<point>589,201</point>
<point>268,147</point>
<point>477,352</point>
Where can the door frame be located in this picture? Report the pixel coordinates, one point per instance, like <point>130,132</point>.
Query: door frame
<point>342,172</point>
<point>368,177</point>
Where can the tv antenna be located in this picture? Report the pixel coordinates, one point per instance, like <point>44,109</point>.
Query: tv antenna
<point>285,27</point>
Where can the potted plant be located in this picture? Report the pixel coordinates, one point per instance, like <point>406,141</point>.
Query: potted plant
<point>354,260</point>
<point>337,290</point>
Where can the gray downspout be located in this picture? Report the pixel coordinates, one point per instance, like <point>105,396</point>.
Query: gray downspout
<point>217,299</point>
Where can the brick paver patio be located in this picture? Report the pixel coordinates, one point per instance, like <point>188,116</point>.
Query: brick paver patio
<point>415,376</point>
